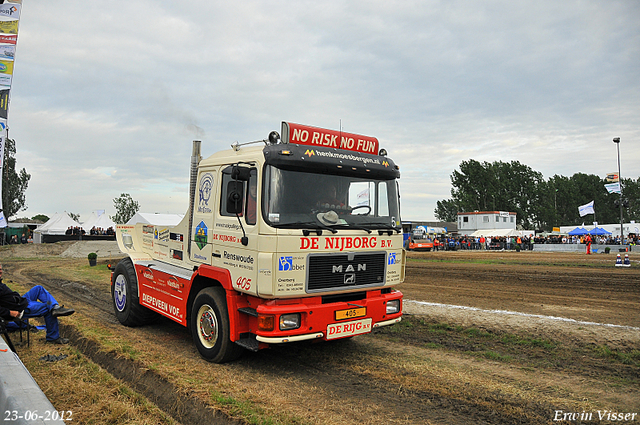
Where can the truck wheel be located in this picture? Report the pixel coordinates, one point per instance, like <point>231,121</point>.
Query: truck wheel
<point>210,326</point>
<point>124,292</point>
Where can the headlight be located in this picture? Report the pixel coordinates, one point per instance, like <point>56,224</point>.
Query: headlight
<point>289,321</point>
<point>393,307</point>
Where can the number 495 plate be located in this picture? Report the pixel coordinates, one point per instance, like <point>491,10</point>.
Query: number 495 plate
<point>351,313</point>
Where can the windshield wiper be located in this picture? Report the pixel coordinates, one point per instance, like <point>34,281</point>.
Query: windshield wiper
<point>313,226</point>
<point>354,226</point>
<point>381,226</point>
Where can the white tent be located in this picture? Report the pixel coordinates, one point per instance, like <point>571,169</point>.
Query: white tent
<point>57,225</point>
<point>99,221</point>
<point>156,219</point>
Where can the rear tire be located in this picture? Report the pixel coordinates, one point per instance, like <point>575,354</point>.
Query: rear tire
<point>210,328</point>
<point>124,293</point>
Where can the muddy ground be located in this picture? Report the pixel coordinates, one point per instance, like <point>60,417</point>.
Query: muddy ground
<point>488,338</point>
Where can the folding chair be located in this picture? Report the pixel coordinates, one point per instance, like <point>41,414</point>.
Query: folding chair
<point>3,331</point>
<point>22,325</point>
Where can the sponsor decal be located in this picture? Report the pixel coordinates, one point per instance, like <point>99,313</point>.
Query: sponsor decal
<point>238,261</point>
<point>200,237</point>
<point>176,237</point>
<point>286,264</point>
<point>9,10</point>
<point>340,243</point>
<point>148,274</point>
<point>9,39</point>
<point>162,235</point>
<point>174,283</point>
<point>392,258</point>
<point>224,238</point>
<point>230,226</point>
<point>9,27</point>
<point>5,80</point>
<point>147,242</point>
<point>146,229</point>
<point>120,292</point>
<point>204,193</point>
<point>176,254</point>
<point>237,257</point>
<point>6,67</point>
<point>7,52</point>
<point>309,153</point>
<point>160,305</point>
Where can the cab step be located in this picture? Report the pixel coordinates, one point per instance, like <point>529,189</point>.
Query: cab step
<point>249,342</point>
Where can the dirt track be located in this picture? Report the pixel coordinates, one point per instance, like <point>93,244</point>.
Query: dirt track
<point>441,365</point>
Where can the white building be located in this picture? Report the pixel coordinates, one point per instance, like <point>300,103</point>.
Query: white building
<point>487,221</point>
<point>627,228</point>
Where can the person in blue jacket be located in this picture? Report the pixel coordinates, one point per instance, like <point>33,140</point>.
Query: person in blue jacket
<point>37,302</point>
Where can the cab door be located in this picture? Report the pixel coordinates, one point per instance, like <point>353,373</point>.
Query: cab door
<point>235,234</point>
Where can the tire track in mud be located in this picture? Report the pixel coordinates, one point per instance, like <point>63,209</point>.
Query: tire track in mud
<point>340,375</point>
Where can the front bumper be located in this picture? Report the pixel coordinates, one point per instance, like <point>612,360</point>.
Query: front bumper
<point>320,320</point>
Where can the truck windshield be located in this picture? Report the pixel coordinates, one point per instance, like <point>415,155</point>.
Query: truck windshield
<point>296,199</point>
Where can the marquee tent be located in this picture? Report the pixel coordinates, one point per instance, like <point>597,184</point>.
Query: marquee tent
<point>56,225</point>
<point>99,221</point>
<point>578,231</point>
<point>599,231</point>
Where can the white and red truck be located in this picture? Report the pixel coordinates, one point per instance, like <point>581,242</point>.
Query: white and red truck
<point>298,238</point>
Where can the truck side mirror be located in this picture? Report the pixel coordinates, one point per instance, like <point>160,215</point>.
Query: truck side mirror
<point>240,173</point>
<point>235,195</point>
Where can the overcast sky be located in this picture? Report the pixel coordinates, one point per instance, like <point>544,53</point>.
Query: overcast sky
<point>107,96</point>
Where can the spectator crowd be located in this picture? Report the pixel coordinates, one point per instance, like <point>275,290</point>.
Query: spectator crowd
<point>503,243</point>
<point>582,239</point>
<point>482,242</point>
<point>95,231</point>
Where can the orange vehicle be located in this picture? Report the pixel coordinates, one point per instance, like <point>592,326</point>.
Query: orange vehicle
<point>419,240</point>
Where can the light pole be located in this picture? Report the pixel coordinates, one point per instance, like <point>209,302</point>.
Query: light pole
<point>616,140</point>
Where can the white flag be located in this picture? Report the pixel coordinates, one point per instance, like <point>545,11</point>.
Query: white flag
<point>613,187</point>
<point>586,209</point>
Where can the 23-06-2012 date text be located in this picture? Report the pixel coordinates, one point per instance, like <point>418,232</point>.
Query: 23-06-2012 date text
<point>34,415</point>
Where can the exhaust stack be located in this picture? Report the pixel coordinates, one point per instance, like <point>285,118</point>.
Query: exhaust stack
<point>195,160</point>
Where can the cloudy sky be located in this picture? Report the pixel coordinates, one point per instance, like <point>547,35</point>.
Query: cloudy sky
<point>107,96</point>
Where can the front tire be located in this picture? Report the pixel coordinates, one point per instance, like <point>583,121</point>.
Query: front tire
<point>124,293</point>
<point>210,328</point>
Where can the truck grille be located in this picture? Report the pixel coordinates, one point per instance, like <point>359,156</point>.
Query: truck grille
<point>328,272</point>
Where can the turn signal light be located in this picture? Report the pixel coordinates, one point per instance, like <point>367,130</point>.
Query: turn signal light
<point>266,322</point>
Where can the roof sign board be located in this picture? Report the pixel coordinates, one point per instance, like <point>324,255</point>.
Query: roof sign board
<point>320,137</point>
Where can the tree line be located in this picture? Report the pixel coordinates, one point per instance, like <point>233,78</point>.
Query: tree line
<point>539,204</point>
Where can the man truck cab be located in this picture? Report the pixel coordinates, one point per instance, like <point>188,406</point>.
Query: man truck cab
<point>290,239</point>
